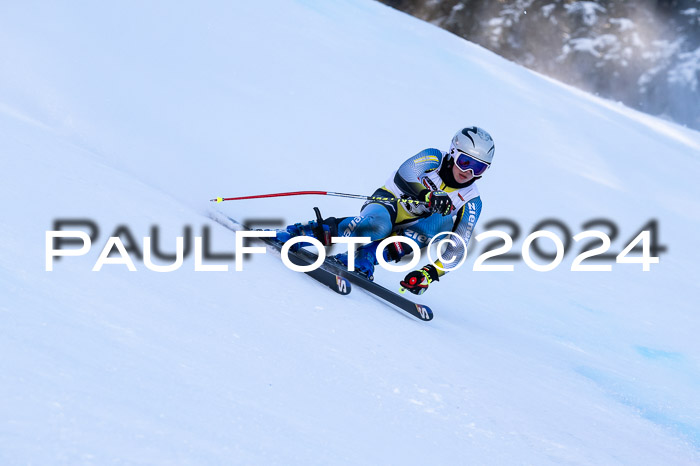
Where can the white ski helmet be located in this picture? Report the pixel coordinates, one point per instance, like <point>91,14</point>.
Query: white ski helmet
<point>475,143</point>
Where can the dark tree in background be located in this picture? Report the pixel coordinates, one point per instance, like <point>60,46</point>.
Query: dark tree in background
<point>644,53</point>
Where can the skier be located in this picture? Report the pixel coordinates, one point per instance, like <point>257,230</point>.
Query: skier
<point>446,184</point>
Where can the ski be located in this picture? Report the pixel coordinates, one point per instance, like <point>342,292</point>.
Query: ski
<point>419,311</point>
<point>332,280</point>
<point>338,278</point>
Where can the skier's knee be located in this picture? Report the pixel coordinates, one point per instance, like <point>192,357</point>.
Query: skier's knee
<point>383,229</point>
<point>374,227</point>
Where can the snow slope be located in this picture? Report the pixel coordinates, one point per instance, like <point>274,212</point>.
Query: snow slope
<point>137,114</point>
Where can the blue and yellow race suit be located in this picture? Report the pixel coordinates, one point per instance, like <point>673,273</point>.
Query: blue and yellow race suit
<point>429,169</point>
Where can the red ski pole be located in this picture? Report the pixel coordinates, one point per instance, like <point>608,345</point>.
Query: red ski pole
<point>321,193</point>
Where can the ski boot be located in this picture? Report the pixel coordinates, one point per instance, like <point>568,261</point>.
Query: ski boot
<point>365,259</point>
<point>322,230</point>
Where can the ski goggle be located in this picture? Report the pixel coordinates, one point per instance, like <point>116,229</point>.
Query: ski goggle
<point>466,162</point>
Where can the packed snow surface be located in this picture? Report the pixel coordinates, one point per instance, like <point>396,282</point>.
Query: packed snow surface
<point>135,114</point>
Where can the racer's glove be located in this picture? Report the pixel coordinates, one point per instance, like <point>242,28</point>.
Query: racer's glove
<point>417,281</point>
<point>438,201</point>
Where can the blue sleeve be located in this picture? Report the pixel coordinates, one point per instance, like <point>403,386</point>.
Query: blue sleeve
<point>407,176</point>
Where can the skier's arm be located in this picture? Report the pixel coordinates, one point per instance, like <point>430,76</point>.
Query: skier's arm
<point>417,282</point>
<point>407,177</point>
